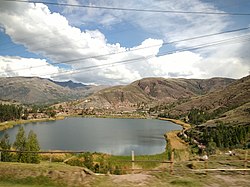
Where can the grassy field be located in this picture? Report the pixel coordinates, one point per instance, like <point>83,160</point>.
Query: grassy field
<point>61,174</point>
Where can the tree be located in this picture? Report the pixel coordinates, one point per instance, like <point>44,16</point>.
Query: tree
<point>32,145</point>
<point>211,147</point>
<point>20,144</point>
<point>5,145</point>
<point>10,112</point>
<point>50,112</point>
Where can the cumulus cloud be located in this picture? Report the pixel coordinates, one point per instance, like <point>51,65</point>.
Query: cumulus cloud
<point>174,27</point>
<point>28,67</point>
<point>52,35</point>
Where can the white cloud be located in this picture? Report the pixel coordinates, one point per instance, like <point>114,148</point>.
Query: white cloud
<point>28,67</point>
<point>51,35</point>
<point>180,64</point>
<point>174,27</point>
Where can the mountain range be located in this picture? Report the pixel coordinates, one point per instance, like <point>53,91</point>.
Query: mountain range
<point>176,97</point>
<point>152,91</point>
<point>35,90</point>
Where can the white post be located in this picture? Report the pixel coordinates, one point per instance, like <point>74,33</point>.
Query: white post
<point>50,158</point>
<point>245,163</point>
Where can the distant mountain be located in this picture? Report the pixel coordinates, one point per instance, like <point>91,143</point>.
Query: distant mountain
<point>152,91</point>
<point>34,90</point>
<point>70,84</point>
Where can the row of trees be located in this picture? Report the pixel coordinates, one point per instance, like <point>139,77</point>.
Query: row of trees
<point>22,143</point>
<point>227,136</point>
<point>10,112</point>
<point>15,112</point>
<point>197,116</point>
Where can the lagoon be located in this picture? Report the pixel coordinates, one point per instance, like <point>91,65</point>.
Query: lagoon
<point>106,135</point>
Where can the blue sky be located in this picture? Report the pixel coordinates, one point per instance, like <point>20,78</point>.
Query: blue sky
<point>98,46</point>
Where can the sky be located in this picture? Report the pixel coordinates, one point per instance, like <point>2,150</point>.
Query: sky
<point>110,47</point>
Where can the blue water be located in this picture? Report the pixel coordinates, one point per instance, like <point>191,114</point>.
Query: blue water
<point>113,136</point>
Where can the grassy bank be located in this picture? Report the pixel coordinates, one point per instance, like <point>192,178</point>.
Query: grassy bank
<point>179,122</point>
<point>11,124</point>
<point>176,143</point>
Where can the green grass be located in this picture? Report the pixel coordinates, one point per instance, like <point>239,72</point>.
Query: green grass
<point>184,182</point>
<point>28,181</point>
<point>124,164</point>
<point>20,174</point>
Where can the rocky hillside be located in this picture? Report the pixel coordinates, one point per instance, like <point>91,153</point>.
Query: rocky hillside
<point>232,96</point>
<point>152,91</point>
<point>162,89</point>
<point>34,90</point>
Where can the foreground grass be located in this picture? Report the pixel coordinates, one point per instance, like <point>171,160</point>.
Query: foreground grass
<point>60,174</point>
<point>28,181</point>
<point>43,174</point>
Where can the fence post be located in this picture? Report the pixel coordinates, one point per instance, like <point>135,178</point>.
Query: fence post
<point>245,163</point>
<point>133,161</point>
<point>50,158</point>
<point>172,163</point>
<point>206,165</point>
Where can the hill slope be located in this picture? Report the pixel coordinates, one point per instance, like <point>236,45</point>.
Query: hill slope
<point>161,88</point>
<point>232,96</point>
<point>34,90</point>
<point>150,91</point>
<point>237,116</point>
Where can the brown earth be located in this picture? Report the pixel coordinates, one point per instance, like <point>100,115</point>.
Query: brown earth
<point>232,96</point>
<point>151,91</point>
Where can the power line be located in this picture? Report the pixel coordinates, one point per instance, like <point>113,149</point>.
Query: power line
<point>86,69</point>
<point>134,9</point>
<point>28,37</point>
<point>165,43</point>
<point>72,61</point>
<point>83,69</point>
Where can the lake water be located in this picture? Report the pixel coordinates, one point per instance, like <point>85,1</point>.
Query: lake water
<point>113,136</point>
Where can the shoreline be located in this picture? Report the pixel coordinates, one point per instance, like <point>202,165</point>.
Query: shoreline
<point>10,124</point>
<point>185,126</point>
<point>170,137</point>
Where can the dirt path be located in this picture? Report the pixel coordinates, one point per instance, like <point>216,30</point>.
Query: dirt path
<point>135,179</point>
